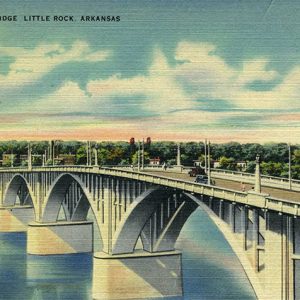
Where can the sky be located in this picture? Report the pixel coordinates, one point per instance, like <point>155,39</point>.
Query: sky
<point>172,70</point>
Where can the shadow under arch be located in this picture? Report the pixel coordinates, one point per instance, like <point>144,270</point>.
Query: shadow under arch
<point>235,245</point>
<point>55,197</point>
<point>12,190</point>
<point>140,212</point>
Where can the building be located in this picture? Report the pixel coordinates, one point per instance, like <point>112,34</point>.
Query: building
<point>23,158</point>
<point>216,164</point>
<point>154,161</point>
<point>8,159</point>
<point>241,165</point>
<point>66,159</point>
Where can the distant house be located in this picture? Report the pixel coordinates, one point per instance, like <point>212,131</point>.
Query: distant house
<point>8,158</point>
<point>66,159</point>
<point>154,161</point>
<point>241,165</point>
<point>216,164</point>
<point>23,158</point>
<point>197,163</point>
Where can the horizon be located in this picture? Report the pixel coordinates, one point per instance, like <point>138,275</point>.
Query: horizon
<point>212,142</point>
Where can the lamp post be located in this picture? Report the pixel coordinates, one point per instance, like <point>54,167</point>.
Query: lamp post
<point>178,155</point>
<point>143,154</point>
<point>12,159</point>
<point>257,187</point>
<point>290,167</point>
<point>205,156</point>
<point>96,154</point>
<point>208,164</point>
<point>88,153</point>
<point>29,157</point>
<point>52,151</point>
<point>139,156</point>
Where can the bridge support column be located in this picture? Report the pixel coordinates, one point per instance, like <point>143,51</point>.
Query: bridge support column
<point>140,275</point>
<point>59,238</point>
<point>245,216</point>
<point>255,239</point>
<point>232,216</point>
<point>15,218</point>
<point>221,209</point>
<point>278,257</point>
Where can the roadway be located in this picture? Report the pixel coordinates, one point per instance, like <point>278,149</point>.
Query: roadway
<point>235,185</point>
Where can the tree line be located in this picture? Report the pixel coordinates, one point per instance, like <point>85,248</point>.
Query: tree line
<point>274,156</point>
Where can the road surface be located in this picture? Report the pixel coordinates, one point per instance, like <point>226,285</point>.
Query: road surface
<point>235,185</point>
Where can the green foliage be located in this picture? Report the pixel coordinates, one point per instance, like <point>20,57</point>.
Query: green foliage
<point>227,163</point>
<point>251,166</point>
<point>134,158</point>
<point>274,156</point>
<point>49,162</point>
<point>272,168</point>
<point>81,155</point>
<point>296,156</point>
<point>36,160</point>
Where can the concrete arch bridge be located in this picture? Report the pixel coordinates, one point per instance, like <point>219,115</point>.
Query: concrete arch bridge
<point>131,208</point>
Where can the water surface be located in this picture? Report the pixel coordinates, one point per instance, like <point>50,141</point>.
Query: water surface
<point>210,268</point>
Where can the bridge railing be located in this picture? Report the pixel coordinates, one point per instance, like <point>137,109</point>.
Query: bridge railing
<point>248,198</point>
<point>272,181</point>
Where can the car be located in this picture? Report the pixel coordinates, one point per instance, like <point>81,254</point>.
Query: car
<point>203,179</point>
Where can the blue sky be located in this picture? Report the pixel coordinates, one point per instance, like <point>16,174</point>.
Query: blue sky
<point>182,70</point>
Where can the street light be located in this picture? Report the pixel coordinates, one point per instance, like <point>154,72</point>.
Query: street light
<point>205,156</point>
<point>29,156</point>
<point>143,154</point>
<point>178,155</point>
<point>290,167</point>
<point>208,170</point>
<point>139,156</point>
<point>96,147</point>
<point>257,187</point>
<point>88,153</point>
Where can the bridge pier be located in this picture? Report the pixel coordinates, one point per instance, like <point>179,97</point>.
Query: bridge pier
<point>59,238</point>
<point>15,218</point>
<point>139,275</point>
<point>278,257</point>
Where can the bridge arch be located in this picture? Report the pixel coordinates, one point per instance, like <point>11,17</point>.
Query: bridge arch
<point>57,195</point>
<point>18,187</point>
<point>155,216</point>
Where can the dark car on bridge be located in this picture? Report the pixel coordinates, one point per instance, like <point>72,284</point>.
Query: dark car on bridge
<point>203,179</point>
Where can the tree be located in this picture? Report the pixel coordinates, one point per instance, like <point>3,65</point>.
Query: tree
<point>81,155</point>
<point>296,156</point>
<point>250,168</point>
<point>272,168</point>
<point>227,163</point>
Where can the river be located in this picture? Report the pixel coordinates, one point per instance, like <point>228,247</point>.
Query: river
<point>210,268</point>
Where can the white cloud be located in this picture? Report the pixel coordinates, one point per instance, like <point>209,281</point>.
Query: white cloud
<point>31,64</point>
<point>202,74</point>
<point>256,70</point>
<point>172,92</point>
<point>160,87</point>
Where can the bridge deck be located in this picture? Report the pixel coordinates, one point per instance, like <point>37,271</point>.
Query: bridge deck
<point>235,185</point>
<point>282,200</point>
